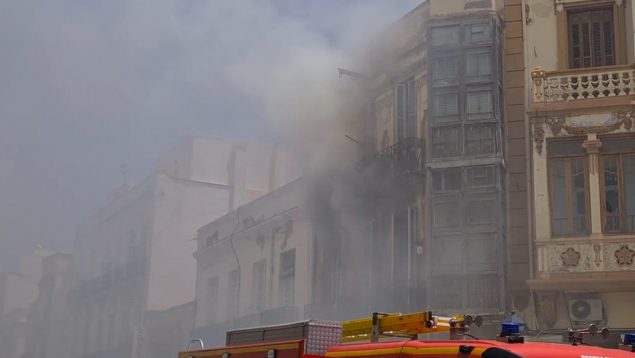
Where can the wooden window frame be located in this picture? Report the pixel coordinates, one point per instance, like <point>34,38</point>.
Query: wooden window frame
<point>587,199</point>
<point>619,154</point>
<point>562,26</point>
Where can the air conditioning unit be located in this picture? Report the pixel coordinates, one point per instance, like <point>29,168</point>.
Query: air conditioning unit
<point>585,309</point>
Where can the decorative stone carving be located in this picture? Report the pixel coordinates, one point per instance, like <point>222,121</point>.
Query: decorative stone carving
<point>570,257</point>
<point>555,124</point>
<point>597,253</point>
<point>420,82</point>
<point>624,256</point>
<point>559,5</point>
<point>560,126</point>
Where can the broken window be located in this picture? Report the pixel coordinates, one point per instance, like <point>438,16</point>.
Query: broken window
<point>445,141</point>
<point>591,38</point>
<point>480,139</point>
<point>447,36</point>
<point>287,278</point>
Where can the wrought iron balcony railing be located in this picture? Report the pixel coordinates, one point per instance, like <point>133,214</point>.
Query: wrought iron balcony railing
<point>407,156</point>
<point>581,84</point>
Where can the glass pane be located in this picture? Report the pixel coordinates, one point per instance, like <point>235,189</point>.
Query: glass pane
<point>481,211</point>
<point>483,253</point>
<point>445,215</point>
<point>479,105</point>
<point>482,176</point>
<point>445,70</point>
<point>628,167</point>
<point>478,32</point>
<point>559,198</point>
<point>566,148</point>
<point>578,179</point>
<point>618,145</point>
<point>445,36</point>
<point>445,142</point>
<point>446,180</point>
<point>480,139</point>
<point>447,255</point>
<point>478,64</point>
<point>446,106</point>
<point>611,195</point>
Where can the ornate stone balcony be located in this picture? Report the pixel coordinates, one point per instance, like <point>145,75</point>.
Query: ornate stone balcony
<point>604,254</point>
<point>586,87</point>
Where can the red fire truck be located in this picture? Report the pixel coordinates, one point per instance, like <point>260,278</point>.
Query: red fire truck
<point>395,336</point>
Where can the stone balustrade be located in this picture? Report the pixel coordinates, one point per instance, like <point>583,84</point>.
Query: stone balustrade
<point>606,254</point>
<point>582,84</point>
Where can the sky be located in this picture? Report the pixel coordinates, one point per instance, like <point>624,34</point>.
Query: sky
<point>89,86</point>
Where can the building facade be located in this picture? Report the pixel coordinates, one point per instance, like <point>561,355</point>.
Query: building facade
<point>579,80</point>
<point>448,183</point>
<point>254,264</point>
<point>135,254</point>
<point>18,290</point>
<point>48,333</point>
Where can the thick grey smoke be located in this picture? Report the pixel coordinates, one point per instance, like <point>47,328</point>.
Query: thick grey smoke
<point>89,86</point>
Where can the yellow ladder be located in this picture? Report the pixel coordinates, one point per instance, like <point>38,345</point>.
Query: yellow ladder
<point>404,325</point>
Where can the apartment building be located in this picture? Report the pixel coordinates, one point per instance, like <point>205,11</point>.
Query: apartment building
<point>134,255</point>
<point>579,80</point>
<point>254,264</point>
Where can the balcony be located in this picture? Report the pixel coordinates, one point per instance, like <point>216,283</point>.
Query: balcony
<point>605,260</point>
<point>405,157</point>
<point>583,88</point>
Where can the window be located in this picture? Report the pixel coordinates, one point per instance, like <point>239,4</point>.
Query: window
<point>481,176</point>
<point>591,38</point>
<point>370,127</point>
<point>259,278</point>
<point>444,215</point>
<point>404,234</point>
<point>212,299</point>
<point>478,65</point>
<point>287,278</point>
<point>568,188</point>
<point>447,36</point>
<point>445,107</point>
<point>480,139</point>
<point>406,110</point>
<point>445,70</point>
<point>233,292</point>
<point>479,104</point>
<point>618,185</point>
<point>481,210</point>
<point>445,141</point>
<point>478,32</point>
<point>446,180</point>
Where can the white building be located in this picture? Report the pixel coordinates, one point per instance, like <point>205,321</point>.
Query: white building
<point>135,254</point>
<point>254,264</point>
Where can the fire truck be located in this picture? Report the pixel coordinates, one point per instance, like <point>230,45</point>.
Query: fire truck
<point>396,336</point>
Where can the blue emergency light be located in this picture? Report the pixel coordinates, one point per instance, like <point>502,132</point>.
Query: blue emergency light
<point>510,329</point>
<point>629,339</point>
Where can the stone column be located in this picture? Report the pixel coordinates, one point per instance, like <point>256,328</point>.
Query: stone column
<point>592,146</point>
